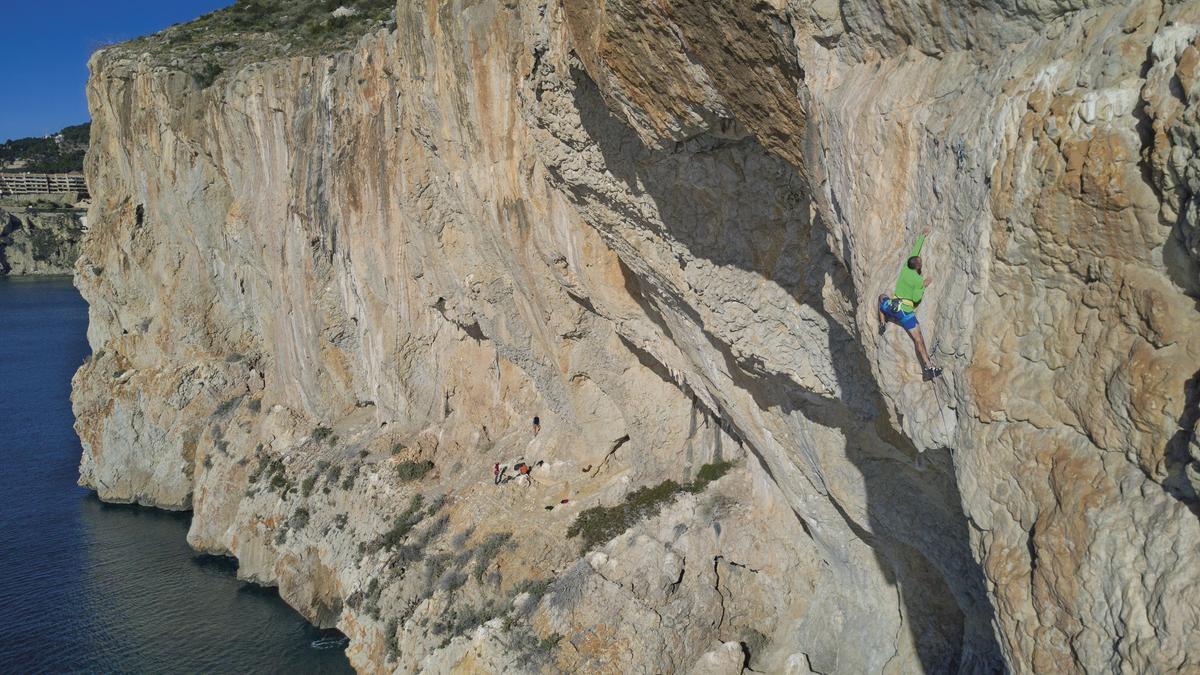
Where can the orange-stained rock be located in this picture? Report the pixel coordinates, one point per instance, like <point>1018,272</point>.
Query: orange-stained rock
<point>661,226</point>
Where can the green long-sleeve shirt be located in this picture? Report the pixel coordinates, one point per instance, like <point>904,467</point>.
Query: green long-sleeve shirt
<point>911,285</point>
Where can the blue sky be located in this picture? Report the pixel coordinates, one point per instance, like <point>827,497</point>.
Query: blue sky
<point>51,41</point>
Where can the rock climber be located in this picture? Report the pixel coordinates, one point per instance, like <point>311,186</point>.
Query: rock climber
<point>537,425</point>
<point>902,308</point>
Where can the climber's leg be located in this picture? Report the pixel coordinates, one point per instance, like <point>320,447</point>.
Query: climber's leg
<point>930,371</point>
<point>919,343</point>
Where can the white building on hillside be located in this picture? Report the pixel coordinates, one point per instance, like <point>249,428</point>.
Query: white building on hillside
<point>41,183</point>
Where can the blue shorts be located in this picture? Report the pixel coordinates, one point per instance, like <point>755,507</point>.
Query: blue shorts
<point>891,309</point>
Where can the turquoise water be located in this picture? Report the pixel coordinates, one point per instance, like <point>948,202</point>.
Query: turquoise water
<point>91,587</point>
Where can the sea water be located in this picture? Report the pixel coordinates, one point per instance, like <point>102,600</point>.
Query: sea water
<point>87,586</point>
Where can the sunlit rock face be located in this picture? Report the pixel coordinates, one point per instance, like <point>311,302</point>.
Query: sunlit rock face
<point>661,227</point>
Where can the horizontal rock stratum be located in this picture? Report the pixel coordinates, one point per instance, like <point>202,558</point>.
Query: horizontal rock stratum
<point>329,291</point>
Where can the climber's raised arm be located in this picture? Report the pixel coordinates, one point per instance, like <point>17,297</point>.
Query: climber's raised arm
<point>916,249</point>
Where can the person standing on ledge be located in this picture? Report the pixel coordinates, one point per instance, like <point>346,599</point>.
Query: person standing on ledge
<point>902,308</point>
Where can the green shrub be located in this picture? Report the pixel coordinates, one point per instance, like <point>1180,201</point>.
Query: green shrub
<point>333,474</point>
<point>533,651</point>
<point>403,524</point>
<point>459,619</point>
<point>548,643</point>
<point>208,74</point>
<point>47,154</point>
<point>362,454</point>
<point>435,530</point>
<point>389,638</point>
<point>371,598</point>
<point>460,538</point>
<point>321,433</point>
<point>408,553</point>
<point>408,470</point>
<point>43,244</point>
<point>271,469</point>
<point>254,29</point>
<point>536,588</point>
<point>299,519</point>
<point>709,473</point>
<point>280,482</point>
<point>397,449</point>
<point>600,524</point>
<point>452,581</point>
<point>488,550</point>
<point>306,487</point>
<point>331,26</point>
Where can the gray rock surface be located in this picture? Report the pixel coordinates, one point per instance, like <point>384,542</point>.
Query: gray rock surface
<point>661,227</point>
<point>45,239</point>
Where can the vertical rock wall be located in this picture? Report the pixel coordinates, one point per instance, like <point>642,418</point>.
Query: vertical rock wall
<point>660,227</point>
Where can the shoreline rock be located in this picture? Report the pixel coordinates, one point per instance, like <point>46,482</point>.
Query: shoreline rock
<point>661,232</point>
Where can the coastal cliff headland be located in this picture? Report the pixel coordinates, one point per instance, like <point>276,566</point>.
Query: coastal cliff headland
<point>40,234</point>
<point>337,264</point>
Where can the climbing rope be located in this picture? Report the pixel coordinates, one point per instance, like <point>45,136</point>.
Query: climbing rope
<point>937,394</point>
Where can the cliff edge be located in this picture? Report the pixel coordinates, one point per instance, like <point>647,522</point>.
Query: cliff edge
<point>330,288</point>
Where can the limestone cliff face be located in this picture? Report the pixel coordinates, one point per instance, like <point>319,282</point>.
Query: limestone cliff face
<point>38,241</point>
<point>661,227</point>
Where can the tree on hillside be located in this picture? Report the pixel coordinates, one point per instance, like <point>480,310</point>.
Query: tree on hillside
<point>57,153</point>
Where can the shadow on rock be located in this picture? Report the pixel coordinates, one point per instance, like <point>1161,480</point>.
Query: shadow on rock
<point>916,527</point>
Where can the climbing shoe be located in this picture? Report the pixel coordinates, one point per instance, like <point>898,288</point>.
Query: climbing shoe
<point>932,372</point>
